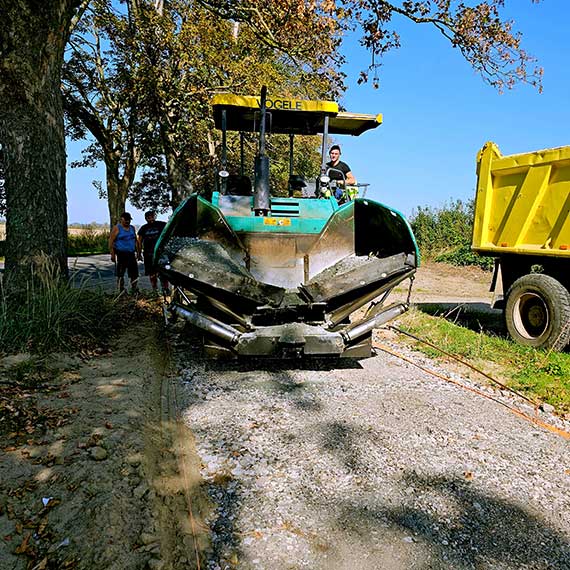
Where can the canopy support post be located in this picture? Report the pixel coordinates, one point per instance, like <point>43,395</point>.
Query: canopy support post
<point>224,178</point>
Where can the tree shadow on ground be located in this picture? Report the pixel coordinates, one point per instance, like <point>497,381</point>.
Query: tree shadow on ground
<point>482,531</point>
<point>478,317</point>
<point>250,364</point>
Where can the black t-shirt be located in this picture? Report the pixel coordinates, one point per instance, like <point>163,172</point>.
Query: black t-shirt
<point>149,234</point>
<point>340,165</point>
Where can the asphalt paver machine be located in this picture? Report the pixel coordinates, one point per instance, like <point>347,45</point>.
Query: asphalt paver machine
<point>298,276</point>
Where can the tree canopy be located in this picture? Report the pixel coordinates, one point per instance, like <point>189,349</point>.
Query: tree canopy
<point>139,78</point>
<point>486,40</point>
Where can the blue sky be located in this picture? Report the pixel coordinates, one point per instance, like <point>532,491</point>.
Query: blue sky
<point>437,114</point>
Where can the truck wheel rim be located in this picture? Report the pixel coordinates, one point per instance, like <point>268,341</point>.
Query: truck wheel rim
<point>531,317</point>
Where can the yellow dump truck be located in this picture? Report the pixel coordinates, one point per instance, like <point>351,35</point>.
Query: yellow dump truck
<point>522,219</point>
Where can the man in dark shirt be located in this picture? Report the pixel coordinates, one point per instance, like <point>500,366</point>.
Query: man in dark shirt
<point>337,165</point>
<point>148,236</point>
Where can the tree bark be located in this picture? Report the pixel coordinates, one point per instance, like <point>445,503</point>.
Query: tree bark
<point>178,178</point>
<point>117,192</point>
<point>119,185</point>
<point>32,41</point>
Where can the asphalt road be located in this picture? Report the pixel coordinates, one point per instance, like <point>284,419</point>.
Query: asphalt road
<point>96,271</point>
<point>370,465</point>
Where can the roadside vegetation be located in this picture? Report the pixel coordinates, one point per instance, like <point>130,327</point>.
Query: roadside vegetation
<point>54,315</point>
<point>84,239</point>
<point>444,234</point>
<point>88,242</point>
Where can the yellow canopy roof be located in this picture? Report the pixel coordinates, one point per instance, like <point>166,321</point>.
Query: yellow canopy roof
<point>289,116</point>
<point>353,123</point>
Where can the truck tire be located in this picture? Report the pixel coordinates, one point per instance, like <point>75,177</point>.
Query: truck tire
<point>537,312</point>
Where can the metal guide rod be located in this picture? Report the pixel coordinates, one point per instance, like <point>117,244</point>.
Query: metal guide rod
<point>290,187</point>
<point>208,324</point>
<point>241,153</point>
<point>261,200</point>
<point>224,140</point>
<point>379,319</point>
<point>324,148</point>
<point>262,123</point>
<point>224,180</point>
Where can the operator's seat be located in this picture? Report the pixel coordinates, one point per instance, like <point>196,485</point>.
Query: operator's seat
<point>310,190</point>
<point>297,186</point>
<point>238,185</point>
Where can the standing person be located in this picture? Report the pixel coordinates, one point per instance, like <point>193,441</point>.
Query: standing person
<point>124,252</point>
<point>337,164</point>
<point>147,237</point>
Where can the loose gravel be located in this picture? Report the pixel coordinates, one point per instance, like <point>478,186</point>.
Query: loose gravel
<point>372,465</point>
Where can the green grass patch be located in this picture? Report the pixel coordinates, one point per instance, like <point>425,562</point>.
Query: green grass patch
<point>462,256</point>
<point>51,315</point>
<point>89,242</point>
<point>539,375</point>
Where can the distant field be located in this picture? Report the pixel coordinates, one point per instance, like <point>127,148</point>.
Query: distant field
<point>89,231</point>
<point>71,231</point>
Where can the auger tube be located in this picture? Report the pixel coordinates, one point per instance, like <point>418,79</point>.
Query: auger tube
<point>209,325</point>
<point>361,329</point>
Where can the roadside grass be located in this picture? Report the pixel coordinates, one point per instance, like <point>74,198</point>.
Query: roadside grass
<point>88,242</point>
<point>52,316</point>
<point>539,375</point>
<point>55,315</point>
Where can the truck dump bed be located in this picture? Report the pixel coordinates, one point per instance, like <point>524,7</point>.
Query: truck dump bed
<point>522,204</point>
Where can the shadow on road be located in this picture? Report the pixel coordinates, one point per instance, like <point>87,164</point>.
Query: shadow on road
<point>479,317</point>
<point>483,531</point>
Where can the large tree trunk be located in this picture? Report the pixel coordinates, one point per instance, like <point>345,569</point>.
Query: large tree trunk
<point>32,41</point>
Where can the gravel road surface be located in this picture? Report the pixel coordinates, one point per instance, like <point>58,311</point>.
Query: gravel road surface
<point>374,465</point>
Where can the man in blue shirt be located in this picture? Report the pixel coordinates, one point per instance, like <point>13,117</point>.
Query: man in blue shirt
<point>124,252</point>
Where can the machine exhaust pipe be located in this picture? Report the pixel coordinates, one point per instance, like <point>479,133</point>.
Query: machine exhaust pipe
<point>261,200</point>
<point>377,320</point>
<point>207,324</point>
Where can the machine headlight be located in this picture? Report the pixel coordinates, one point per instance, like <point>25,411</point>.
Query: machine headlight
<point>325,179</point>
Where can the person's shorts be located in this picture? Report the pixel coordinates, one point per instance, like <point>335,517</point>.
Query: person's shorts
<point>127,261</point>
<point>149,268</point>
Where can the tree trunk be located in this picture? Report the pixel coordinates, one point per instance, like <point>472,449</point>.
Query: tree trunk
<point>116,194</point>
<point>118,186</point>
<point>178,178</point>
<point>36,204</point>
<point>32,41</point>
